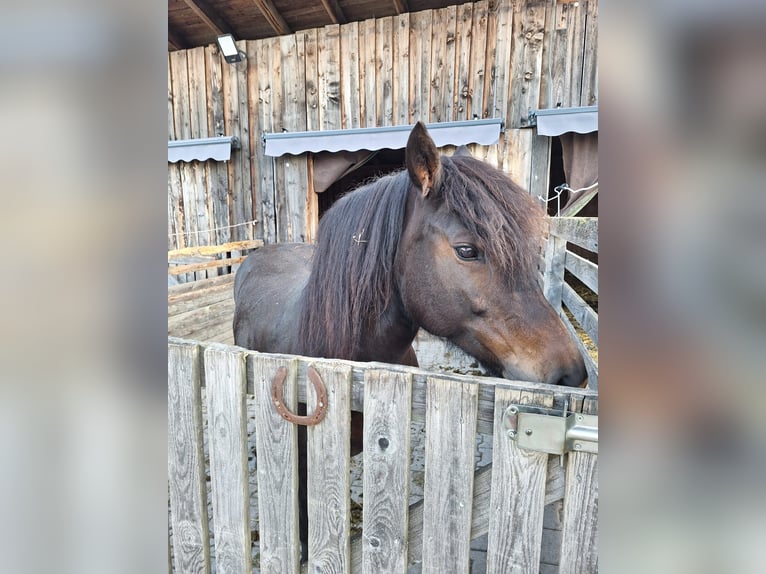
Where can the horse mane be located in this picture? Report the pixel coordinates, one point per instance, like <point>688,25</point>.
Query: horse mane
<point>352,275</point>
<point>504,218</point>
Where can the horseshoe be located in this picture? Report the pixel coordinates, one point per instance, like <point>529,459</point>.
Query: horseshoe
<point>321,392</point>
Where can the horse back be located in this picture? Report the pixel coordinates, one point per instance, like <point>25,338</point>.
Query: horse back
<point>267,297</point>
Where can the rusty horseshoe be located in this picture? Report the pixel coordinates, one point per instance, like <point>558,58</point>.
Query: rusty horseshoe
<point>308,420</point>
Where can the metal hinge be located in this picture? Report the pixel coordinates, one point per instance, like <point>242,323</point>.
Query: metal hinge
<point>551,430</point>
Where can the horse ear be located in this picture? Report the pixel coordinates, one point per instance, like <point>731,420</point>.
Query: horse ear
<point>422,158</point>
<point>462,151</point>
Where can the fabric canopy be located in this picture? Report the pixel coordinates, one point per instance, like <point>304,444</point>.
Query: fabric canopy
<point>484,132</point>
<point>558,121</point>
<point>202,149</point>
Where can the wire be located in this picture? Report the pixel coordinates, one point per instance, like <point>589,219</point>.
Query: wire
<point>251,222</point>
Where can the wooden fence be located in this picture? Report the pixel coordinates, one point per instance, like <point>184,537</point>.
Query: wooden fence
<point>487,59</point>
<point>579,315</point>
<point>505,500</point>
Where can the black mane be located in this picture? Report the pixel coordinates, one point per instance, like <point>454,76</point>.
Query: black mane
<point>352,277</point>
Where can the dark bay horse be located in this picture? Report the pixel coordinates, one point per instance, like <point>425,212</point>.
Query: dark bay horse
<point>450,244</point>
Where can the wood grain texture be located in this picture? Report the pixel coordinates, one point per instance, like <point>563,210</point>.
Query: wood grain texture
<point>553,273</point>
<point>276,443</point>
<point>218,178</point>
<point>384,83</point>
<point>351,75</point>
<point>328,473</point>
<point>589,92</point>
<point>387,407</point>
<point>329,77</point>
<point>420,65</point>
<point>186,472</point>
<point>478,68</point>
<point>265,123</point>
<point>579,542</point>
<point>368,62</point>
<point>227,440</point>
<point>448,492</point>
<point>586,271</point>
<point>442,64</point>
<point>401,70</point>
<point>518,494</point>
<point>585,315</point>
<point>582,231</point>
<point>463,39</point>
<point>311,57</point>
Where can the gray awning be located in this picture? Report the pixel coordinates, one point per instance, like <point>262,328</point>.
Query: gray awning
<point>559,121</point>
<point>202,149</point>
<point>484,132</point>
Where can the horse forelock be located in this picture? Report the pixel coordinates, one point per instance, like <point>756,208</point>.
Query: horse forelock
<point>352,276</point>
<point>504,218</point>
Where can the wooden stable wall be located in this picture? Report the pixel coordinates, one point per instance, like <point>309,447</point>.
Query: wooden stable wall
<point>490,59</point>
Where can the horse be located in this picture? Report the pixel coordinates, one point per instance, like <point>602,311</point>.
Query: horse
<point>449,244</point>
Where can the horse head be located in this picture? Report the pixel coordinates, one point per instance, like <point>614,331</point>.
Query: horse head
<point>467,267</point>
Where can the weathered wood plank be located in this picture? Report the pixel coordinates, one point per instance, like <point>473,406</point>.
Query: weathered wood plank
<point>351,75</point>
<point>277,118</point>
<point>186,472</point>
<point>214,249</point>
<point>384,83</point>
<point>582,231</point>
<point>443,64</point>
<point>368,66</point>
<point>265,123</point>
<point>227,440</point>
<point>586,271</point>
<point>311,58</point>
<point>579,543</point>
<point>585,315</point>
<point>186,288</point>
<point>387,408</point>
<point>478,60</point>
<point>589,92</point>
<point>401,73</point>
<point>218,178</point>
<point>463,42</point>
<point>329,77</point>
<point>502,61</point>
<point>204,298</point>
<point>553,272</point>
<point>518,494</point>
<point>539,169</point>
<point>329,482</point>
<point>178,269</point>
<point>294,119</point>
<point>276,443</point>
<point>185,324</point>
<point>420,65</point>
<point>451,412</point>
<point>526,61</point>
<point>199,129</point>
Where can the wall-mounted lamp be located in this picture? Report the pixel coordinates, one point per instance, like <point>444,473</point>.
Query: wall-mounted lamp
<point>229,49</point>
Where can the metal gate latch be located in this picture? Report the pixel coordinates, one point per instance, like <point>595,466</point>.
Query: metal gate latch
<point>551,430</point>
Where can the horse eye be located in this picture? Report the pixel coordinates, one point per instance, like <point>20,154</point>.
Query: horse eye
<point>467,252</point>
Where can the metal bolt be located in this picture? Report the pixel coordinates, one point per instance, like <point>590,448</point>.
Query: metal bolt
<point>511,433</point>
<point>513,410</point>
<point>528,432</point>
<point>578,446</point>
<point>579,418</point>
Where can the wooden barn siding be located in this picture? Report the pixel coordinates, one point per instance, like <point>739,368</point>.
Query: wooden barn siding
<point>499,58</point>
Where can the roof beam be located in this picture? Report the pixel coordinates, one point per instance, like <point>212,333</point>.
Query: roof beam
<point>401,6</point>
<point>209,16</point>
<point>273,17</point>
<point>333,9</point>
<point>175,40</point>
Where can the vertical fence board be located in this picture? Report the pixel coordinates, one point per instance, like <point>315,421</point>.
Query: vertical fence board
<point>463,42</point>
<point>275,73</point>
<point>553,274</point>
<point>589,91</point>
<point>579,542</point>
<point>276,444</point>
<point>518,494</point>
<point>186,473</point>
<point>227,440</point>
<point>218,181</point>
<point>328,473</point>
<point>329,77</point>
<point>351,75</point>
<point>311,56</point>
<point>368,61</point>
<point>198,124</point>
<point>265,182</point>
<point>443,64</point>
<point>420,65</point>
<point>384,83</point>
<point>401,71</point>
<point>478,61</point>
<point>387,408</point>
<point>451,414</point>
